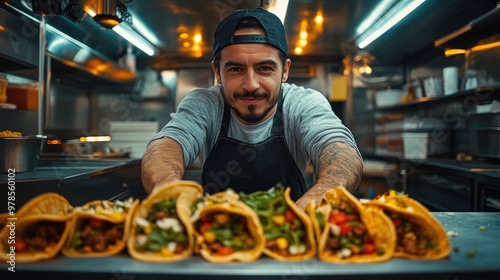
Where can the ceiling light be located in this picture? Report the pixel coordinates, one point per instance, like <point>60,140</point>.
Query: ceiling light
<point>106,13</point>
<point>452,52</point>
<point>133,37</point>
<point>278,7</point>
<point>319,18</point>
<point>144,30</point>
<point>374,15</point>
<point>388,20</point>
<point>478,48</point>
<point>107,21</point>
<point>106,17</point>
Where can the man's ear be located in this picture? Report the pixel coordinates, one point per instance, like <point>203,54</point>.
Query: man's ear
<point>216,73</point>
<point>286,70</point>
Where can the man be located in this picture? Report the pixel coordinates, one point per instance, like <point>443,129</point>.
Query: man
<point>253,129</point>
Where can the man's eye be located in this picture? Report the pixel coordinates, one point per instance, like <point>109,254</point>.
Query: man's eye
<point>265,68</point>
<point>234,69</point>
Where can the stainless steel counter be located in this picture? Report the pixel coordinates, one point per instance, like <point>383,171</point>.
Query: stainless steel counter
<point>78,180</point>
<point>477,256</point>
<point>484,170</point>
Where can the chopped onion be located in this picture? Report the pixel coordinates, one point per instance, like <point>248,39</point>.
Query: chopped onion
<point>335,229</point>
<point>141,239</point>
<point>297,249</point>
<point>169,223</point>
<point>171,246</point>
<point>344,253</point>
<point>141,222</point>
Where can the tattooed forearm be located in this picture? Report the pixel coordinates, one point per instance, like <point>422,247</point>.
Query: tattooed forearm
<point>340,165</point>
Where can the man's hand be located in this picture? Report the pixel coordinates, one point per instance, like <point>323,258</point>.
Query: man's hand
<point>314,194</point>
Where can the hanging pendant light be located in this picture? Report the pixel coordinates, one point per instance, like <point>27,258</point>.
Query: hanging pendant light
<point>106,13</point>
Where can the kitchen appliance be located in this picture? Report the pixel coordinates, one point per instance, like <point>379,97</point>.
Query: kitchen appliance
<point>83,147</point>
<point>488,142</point>
<point>485,131</point>
<point>20,154</point>
<point>132,135</point>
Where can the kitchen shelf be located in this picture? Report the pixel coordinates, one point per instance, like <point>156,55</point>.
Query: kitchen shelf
<point>480,92</point>
<point>469,35</point>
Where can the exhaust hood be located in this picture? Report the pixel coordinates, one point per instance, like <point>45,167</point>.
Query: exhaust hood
<point>84,45</point>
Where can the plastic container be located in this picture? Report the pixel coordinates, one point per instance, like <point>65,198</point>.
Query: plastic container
<point>130,60</point>
<point>3,89</point>
<point>433,86</point>
<point>415,145</point>
<point>24,96</point>
<point>388,97</point>
<point>450,80</point>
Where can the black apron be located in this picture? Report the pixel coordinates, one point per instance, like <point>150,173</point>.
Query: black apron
<point>246,167</point>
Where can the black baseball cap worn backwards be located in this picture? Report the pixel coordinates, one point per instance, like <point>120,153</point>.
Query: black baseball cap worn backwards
<point>274,29</point>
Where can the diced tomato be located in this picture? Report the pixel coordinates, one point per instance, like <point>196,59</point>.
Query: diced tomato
<point>21,246</point>
<point>290,216</point>
<point>396,222</point>
<point>206,226</point>
<point>345,229</point>
<point>369,248</point>
<point>338,218</point>
<point>224,251</point>
<point>96,223</point>
<point>367,239</point>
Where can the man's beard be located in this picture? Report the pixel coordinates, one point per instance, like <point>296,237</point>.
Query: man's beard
<point>252,117</point>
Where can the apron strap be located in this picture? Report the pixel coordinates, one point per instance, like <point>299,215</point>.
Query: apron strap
<point>278,124</point>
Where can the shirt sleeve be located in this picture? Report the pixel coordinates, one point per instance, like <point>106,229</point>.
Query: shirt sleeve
<point>314,124</point>
<point>194,122</point>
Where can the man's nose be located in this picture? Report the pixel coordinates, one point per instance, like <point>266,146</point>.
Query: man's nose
<point>251,81</point>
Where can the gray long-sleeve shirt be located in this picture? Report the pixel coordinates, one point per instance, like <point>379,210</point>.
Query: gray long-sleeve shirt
<point>310,124</point>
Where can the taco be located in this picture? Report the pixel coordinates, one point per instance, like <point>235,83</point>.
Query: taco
<point>99,228</point>
<point>3,219</point>
<point>288,229</point>
<point>161,229</point>
<point>347,232</point>
<point>41,227</point>
<point>419,235</point>
<point>228,230</point>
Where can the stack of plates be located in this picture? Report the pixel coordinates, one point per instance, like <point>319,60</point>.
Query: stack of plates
<point>132,135</point>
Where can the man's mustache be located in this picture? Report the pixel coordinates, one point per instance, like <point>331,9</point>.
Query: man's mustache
<point>247,94</point>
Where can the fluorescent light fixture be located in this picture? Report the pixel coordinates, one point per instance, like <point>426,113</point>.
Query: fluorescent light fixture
<point>279,7</point>
<point>129,34</point>
<point>393,16</point>
<point>141,27</point>
<point>133,37</point>
<point>374,15</point>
